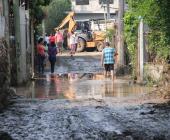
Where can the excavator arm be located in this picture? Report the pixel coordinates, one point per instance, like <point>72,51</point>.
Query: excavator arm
<point>70,20</point>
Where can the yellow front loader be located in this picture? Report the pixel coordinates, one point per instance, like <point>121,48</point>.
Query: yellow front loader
<point>86,38</point>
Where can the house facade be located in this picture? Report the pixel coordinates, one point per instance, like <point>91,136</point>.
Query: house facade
<point>94,9</point>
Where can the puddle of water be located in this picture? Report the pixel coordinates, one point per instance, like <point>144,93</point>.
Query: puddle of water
<point>80,86</point>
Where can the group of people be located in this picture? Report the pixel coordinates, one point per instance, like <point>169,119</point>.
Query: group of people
<point>41,54</point>
<point>51,46</point>
<point>54,44</point>
<point>61,41</point>
<point>58,39</point>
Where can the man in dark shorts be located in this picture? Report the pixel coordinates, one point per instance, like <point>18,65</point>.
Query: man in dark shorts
<point>108,59</point>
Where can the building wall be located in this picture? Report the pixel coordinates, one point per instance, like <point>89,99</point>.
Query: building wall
<point>93,10</point>
<point>93,7</point>
<point>4,53</point>
<point>22,58</point>
<point>85,16</point>
<point>22,43</point>
<point>24,63</point>
<point>2,21</point>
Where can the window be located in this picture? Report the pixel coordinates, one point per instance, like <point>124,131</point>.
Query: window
<point>105,1</point>
<point>82,2</point>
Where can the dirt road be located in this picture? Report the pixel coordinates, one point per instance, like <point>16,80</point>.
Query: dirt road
<point>87,106</point>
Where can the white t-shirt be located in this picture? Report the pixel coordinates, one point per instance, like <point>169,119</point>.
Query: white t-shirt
<point>72,39</point>
<point>47,39</point>
<point>76,39</point>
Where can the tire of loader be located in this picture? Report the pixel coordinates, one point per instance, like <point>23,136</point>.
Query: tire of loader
<point>100,46</point>
<point>81,45</point>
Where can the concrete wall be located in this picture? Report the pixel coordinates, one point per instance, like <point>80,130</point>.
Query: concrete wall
<point>4,53</point>
<point>23,48</point>
<point>93,7</point>
<point>2,26</point>
<point>2,21</point>
<point>22,58</point>
<point>93,10</point>
<point>24,63</point>
<point>153,71</point>
<point>84,16</point>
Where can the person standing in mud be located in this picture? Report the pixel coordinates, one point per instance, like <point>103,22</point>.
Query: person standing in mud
<point>72,44</point>
<point>76,41</point>
<point>46,39</point>
<point>52,52</point>
<point>59,41</point>
<point>108,59</point>
<point>41,55</point>
<point>65,44</point>
<point>51,38</point>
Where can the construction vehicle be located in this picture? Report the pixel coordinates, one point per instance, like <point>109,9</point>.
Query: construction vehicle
<point>86,37</point>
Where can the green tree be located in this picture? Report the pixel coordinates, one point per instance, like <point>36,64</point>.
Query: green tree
<point>37,14</point>
<point>155,14</point>
<point>36,10</point>
<point>56,12</point>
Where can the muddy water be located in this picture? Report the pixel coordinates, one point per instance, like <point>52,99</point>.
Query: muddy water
<point>65,118</point>
<point>80,86</point>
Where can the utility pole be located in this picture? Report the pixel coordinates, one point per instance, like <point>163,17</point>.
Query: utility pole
<point>104,12</point>
<point>108,9</point>
<point>105,19</point>
<point>120,43</point>
<point>32,50</point>
<point>141,51</point>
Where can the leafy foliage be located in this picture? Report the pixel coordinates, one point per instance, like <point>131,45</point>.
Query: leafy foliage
<point>36,10</point>
<point>110,34</point>
<point>131,23</point>
<point>56,12</point>
<point>156,15</point>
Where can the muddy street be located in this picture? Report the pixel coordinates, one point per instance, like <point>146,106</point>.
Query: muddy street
<point>87,119</point>
<point>78,103</point>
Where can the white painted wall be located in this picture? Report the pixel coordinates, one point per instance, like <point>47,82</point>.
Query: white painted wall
<point>93,10</point>
<point>93,7</point>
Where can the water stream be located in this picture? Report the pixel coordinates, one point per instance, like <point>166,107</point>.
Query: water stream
<point>80,86</point>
